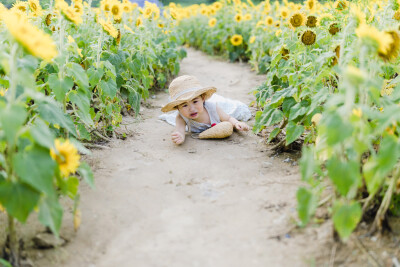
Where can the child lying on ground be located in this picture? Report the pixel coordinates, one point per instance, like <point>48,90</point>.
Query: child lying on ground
<point>189,97</point>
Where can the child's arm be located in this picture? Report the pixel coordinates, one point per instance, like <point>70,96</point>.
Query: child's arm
<point>178,135</point>
<point>239,125</point>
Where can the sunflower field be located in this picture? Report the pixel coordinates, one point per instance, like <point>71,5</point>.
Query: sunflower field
<point>332,83</point>
<point>66,74</point>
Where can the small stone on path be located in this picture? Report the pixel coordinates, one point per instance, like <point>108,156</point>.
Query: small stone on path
<point>47,240</point>
<point>266,164</point>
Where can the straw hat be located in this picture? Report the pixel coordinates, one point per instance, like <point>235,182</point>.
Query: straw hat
<point>221,130</point>
<point>183,89</point>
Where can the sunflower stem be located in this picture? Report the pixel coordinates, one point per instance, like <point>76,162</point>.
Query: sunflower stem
<point>99,48</point>
<point>13,74</point>
<point>12,242</point>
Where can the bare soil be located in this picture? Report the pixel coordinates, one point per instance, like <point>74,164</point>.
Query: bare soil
<point>228,202</point>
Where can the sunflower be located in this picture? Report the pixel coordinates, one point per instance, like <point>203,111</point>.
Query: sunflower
<point>252,39</point>
<point>67,157</point>
<point>160,24</point>
<point>78,8</point>
<point>297,20</point>
<point>118,39</point>
<point>383,40</point>
<point>116,9</point>
<point>341,5</point>
<point>334,28</point>
<point>236,40</point>
<point>393,50</point>
<point>21,6</point>
<point>335,58</point>
<point>311,5</point>
<point>238,17</point>
<point>285,53</point>
<point>35,7</point>
<point>311,21</point>
<point>48,19</point>
<point>212,22</point>
<point>217,5</point>
<point>35,41</point>
<point>139,21</point>
<point>278,32</point>
<point>109,28</point>
<point>247,17</point>
<point>269,21</point>
<point>308,37</point>
<point>284,12</point>
<point>277,24</point>
<point>127,7</point>
<point>396,15</point>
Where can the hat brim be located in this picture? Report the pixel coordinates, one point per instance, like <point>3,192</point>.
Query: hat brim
<point>207,91</point>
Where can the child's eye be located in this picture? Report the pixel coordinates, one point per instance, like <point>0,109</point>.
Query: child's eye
<point>195,101</point>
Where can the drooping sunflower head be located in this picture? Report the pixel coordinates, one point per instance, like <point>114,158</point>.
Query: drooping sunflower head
<point>341,5</point>
<point>285,53</point>
<point>381,40</point>
<point>238,17</point>
<point>396,15</point>
<point>308,37</point>
<point>139,21</point>
<point>336,57</point>
<point>297,19</point>
<point>118,39</point>
<point>212,22</point>
<point>311,21</point>
<point>67,157</point>
<point>334,28</point>
<point>269,21</point>
<point>47,20</point>
<point>236,40</point>
<point>109,28</point>
<point>393,51</point>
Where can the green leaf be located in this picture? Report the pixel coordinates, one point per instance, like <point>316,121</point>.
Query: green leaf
<point>335,128</point>
<point>85,171</point>
<point>82,100</point>
<point>299,109</point>
<point>5,263</point>
<point>293,132</point>
<point>36,168</point>
<point>72,186</point>
<point>109,88</point>
<point>273,134</point>
<point>18,199</point>
<point>287,104</point>
<point>345,218</point>
<point>94,76</point>
<point>307,163</point>
<point>50,214</point>
<point>41,133</point>
<point>379,166</point>
<point>52,113</point>
<point>60,87</point>
<point>78,73</point>
<point>12,117</point>
<point>345,175</point>
<point>306,205</point>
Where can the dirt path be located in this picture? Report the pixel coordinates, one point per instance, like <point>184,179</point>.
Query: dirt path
<point>205,203</point>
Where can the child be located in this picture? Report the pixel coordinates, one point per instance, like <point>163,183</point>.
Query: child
<point>189,97</point>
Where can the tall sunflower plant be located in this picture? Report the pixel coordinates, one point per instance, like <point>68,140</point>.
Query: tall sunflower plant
<point>36,167</point>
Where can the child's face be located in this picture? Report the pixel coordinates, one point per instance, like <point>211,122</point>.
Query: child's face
<point>192,109</point>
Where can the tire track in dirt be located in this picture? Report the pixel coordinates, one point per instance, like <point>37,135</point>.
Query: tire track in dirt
<point>205,203</point>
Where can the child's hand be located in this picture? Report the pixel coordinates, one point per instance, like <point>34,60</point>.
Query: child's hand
<point>241,126</point>
<point>177,137</point>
